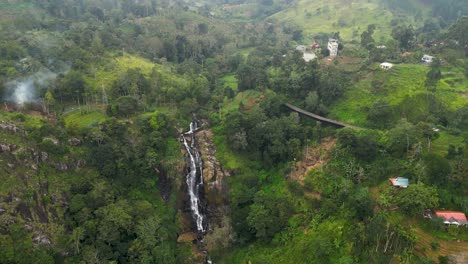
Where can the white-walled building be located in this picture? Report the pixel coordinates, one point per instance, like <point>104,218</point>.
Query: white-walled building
<point>333,47</point>
<point>427,59</point>
<point>307,55</point>
<point>386,66</point>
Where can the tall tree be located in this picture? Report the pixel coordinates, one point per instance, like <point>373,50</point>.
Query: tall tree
<point>405,36</point>
<point>366,37</point>
<point>416,198</point>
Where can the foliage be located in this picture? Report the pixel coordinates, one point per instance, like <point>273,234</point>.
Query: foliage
<point>416,198</point>
<point>438,169</point>
<point>405,36</point>
<point>107,184</point>
<point>366,37</point>
<point>363,147</point>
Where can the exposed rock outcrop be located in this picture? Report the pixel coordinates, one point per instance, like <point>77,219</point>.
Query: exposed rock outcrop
<point>7,147</point>
<point>312,157</point>
<point>187,237</point>
<point>42,239</point>
<point>12,128</point>
<point>214,175</point>
<point>214,178</point>
<point>74,142</point>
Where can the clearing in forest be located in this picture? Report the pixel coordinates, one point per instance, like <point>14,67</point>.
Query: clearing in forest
<point>312,157</point>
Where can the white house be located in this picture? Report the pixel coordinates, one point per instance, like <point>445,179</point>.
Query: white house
<point>427,59</point>
<point>306,55</point>
<point>333,47</point>
<point>386,66</point>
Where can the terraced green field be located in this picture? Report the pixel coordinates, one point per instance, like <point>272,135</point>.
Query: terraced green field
<point>350,18</point>
<point>402,86</point>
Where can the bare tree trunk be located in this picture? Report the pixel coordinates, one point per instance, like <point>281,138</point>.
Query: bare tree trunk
<point>378,243</point>
<point>104,95</point>
<point>389,238</point>
<point>79,105</point>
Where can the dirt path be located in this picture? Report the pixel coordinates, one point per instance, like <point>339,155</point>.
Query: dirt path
<point>457,250</point>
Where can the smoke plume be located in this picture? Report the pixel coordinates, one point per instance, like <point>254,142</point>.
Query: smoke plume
<point>25,90</point>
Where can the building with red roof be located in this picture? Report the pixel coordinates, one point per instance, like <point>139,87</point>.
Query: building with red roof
<point>452,217</point>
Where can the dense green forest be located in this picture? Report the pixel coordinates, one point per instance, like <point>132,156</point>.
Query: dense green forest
<point>97,98</point>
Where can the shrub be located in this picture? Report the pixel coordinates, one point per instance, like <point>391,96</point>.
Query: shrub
<point>435,245</point>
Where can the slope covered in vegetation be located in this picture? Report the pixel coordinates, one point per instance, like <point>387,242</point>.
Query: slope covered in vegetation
<point>97,98</point>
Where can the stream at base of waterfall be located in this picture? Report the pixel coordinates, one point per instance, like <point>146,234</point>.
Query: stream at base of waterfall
<point>194,180</point>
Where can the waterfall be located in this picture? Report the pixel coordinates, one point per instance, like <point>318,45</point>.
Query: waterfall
<point>194,178</point>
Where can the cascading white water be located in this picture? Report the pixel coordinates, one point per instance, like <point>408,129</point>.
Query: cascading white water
<point>193,181</point>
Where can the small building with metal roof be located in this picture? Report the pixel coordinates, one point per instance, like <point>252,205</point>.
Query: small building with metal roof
<point>399,182</point>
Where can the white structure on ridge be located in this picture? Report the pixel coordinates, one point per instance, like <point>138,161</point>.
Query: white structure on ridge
<point>333,47</point>
<point>427,59</point>
<point>386,66</point>
<point>306,55</point>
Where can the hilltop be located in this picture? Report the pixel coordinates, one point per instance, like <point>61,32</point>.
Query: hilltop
<point>351,17</point>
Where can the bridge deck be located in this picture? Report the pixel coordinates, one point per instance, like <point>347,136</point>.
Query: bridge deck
<point>317,117</point>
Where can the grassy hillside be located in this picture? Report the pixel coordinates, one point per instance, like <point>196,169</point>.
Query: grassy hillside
<point>402,84</point>
<point>349,18</point>
<point>112,68</point>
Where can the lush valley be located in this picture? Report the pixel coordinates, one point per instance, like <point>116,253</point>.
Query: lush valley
<point>118,118</point>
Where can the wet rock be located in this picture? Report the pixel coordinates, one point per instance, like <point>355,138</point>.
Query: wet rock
<point>187,237</point>
<point>213,172</point>
<point>215,178</point>
<point>74,142</point>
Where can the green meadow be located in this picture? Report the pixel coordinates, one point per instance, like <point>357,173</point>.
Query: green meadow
<point>349,18</point>
<point>83,119</point>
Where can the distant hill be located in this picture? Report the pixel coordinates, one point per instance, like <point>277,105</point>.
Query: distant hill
<point>351,17</point>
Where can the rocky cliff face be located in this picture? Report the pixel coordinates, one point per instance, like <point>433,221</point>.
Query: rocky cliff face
<point>214,177</point>
<point>214,201</point>
<point>33,185</point>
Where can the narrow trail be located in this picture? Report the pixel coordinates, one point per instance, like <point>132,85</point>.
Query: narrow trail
<point>458,250</point>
